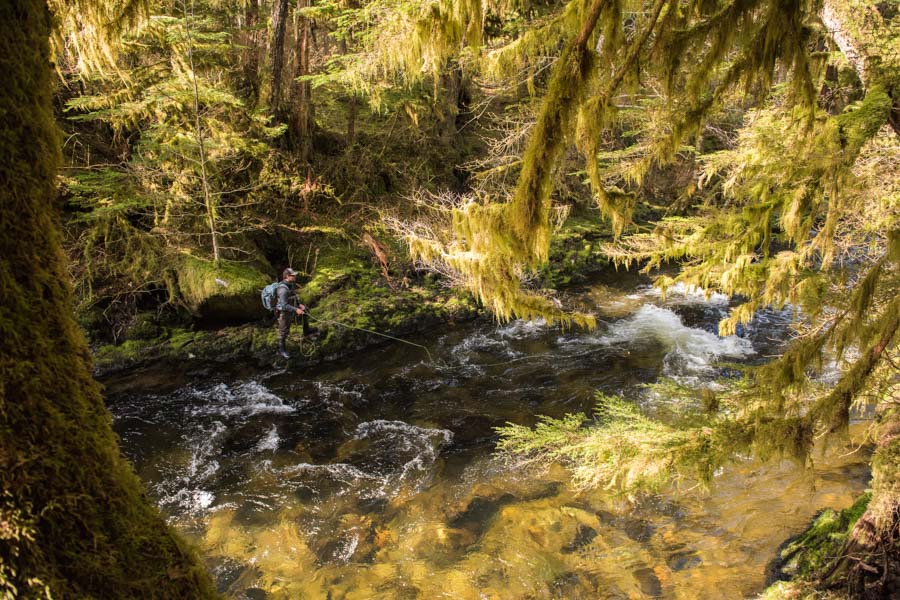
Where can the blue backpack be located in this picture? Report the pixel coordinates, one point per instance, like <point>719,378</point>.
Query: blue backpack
<point>269,293</point>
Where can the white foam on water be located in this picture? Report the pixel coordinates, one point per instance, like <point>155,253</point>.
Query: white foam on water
<point>471,356</point>
<point>201,466</point>
<point>521,328</point>
<point>681,293</point>
<point>189,501</point>
<point>415,449</point>
<point>340,471</point>
<point>347,548</point>
<point>187,491</point>
<point>348,389</point>
<point>689,351</point>
<point>422,443</point>
<point>343,479</point>
<point>249,398</point>
<point>481,343</point>
<point>370,428</point>
<point>270,441</point>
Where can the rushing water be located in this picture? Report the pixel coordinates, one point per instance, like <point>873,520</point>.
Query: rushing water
<point>375,478</point>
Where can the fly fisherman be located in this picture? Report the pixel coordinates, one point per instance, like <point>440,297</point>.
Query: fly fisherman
<point>287,305</point>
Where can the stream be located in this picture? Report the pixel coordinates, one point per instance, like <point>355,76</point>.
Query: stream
<point>376,477</point>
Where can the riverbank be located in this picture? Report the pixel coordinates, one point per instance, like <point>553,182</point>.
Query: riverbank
<point>377,308</point>
<point>348,293</point>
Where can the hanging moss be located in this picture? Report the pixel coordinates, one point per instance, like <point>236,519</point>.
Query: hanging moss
<point>82,524</point>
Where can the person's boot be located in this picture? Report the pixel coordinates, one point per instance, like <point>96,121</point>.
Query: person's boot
<point>282,350</point>
<point>308,331</point>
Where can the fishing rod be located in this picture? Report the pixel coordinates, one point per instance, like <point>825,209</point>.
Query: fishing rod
<point>384,335</point>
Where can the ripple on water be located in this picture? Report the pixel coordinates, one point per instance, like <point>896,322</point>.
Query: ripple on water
<point>681,293</point>
<point>381,460</point>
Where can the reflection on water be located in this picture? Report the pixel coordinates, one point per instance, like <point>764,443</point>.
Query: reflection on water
<point>375,478</point>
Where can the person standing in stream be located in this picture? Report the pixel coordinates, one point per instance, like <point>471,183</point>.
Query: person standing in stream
<point>287,306</point>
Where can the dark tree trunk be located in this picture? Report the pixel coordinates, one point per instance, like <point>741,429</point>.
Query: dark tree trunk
<point>277,29</point>
<point>299,118</point>
<point>860,32</point>
<point>74,518</point>
<point>251,39</point>
<point>869,563</point>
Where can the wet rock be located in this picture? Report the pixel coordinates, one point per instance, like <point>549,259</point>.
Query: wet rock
<point>241,440</point>
<point>583,536</point>
<point>572,586</point>
<point>638,530</point>
<point>478,513</point>
<point>253,594</point>
<point>352,542</point>
<point>472,431</point>
<point>375,505</point>
<point>649,582</point>
<point>679,561</point>
<point>359,302</point>
<point>447,545</point>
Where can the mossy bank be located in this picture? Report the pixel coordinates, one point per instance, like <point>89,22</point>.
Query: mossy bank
<point>350,296</point>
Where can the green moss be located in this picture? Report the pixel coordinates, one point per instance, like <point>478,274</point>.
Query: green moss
<point>817,547</point>
<point>576,251</point>
<point>227,290</point>
<point>862,121</point>
<point>180,338</point>
<point>145,326</point>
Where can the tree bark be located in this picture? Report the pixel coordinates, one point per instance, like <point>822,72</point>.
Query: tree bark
<point>870,45</point>
<point>208,201</point>
<point>299,119</point>
<point>869,563</point>
<point>277,28</point>
<point>251,40</point>
<point>74,518</point>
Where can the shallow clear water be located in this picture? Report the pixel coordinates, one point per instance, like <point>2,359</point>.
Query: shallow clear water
<point>375,477</point>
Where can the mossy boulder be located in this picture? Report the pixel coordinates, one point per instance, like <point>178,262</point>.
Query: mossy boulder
<point>226,292</point>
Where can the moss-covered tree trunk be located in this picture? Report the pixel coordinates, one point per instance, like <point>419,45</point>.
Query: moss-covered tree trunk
<point>74,519</point>
<point>870,44</point>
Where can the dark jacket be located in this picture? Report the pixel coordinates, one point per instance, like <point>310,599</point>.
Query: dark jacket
<point>286,297</point>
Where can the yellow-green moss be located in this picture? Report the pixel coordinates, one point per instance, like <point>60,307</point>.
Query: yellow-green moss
<point>227,289</point>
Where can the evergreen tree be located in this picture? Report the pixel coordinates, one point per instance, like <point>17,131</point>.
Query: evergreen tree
<point>795,219</point>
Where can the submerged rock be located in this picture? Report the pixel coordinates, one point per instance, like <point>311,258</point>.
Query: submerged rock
<point>583,536</point>
<point>639,530</point>
<point>680,561</point>
<point>648,581</point>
